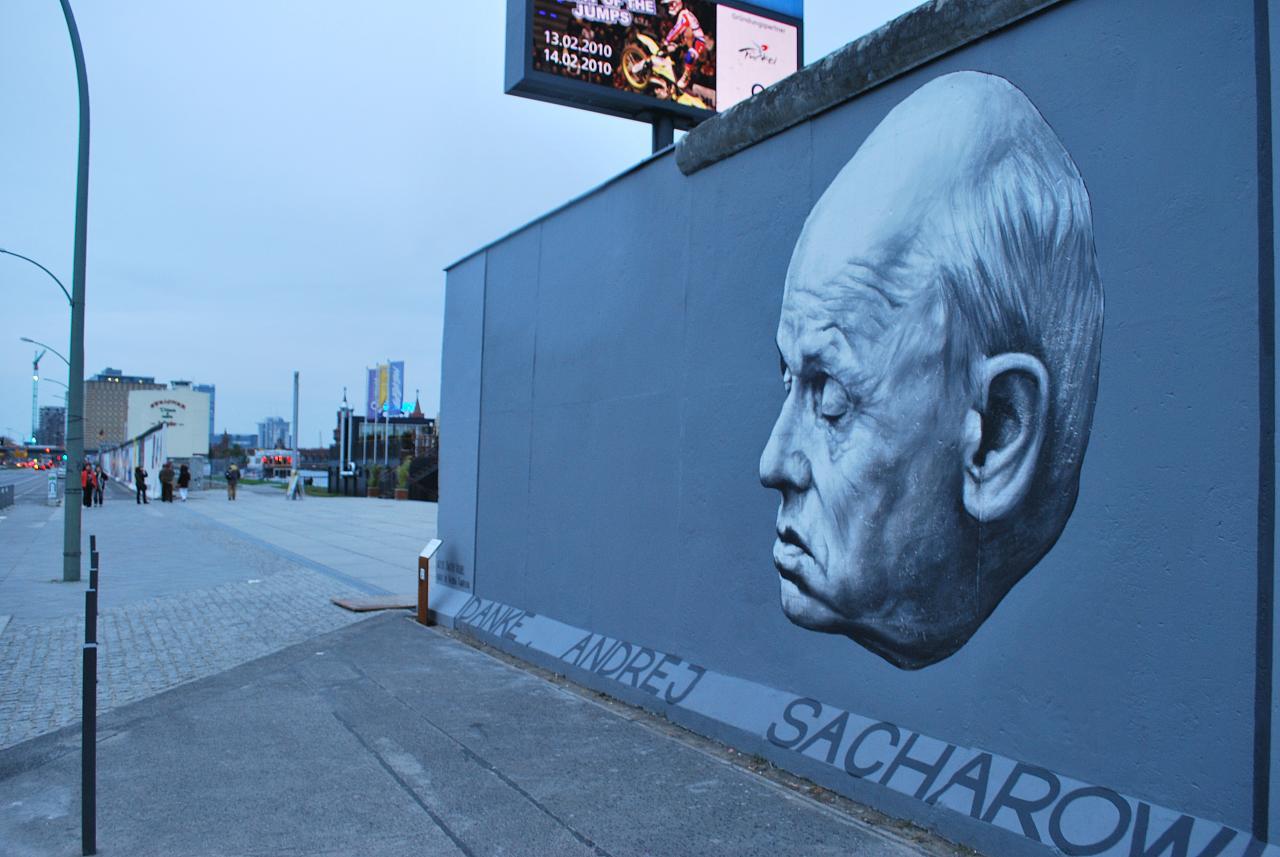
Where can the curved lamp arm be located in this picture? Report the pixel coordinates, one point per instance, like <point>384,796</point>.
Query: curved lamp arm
<point>41,267</point>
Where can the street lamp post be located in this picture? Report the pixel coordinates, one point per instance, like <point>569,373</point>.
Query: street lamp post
<point>76,297</point>
<point>75,379</point>
<point>47,347</point>
<point>41,267</point>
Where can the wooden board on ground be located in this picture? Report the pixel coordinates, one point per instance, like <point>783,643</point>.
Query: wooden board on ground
<point>377,602</point>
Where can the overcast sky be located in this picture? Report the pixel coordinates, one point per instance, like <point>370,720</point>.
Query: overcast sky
<point>277,185</point>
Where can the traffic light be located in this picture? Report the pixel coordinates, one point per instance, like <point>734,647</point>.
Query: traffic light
<point>64,456</point>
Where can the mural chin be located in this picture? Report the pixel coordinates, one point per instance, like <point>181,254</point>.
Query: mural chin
<point>805,610</point>
<point>939,344</point>
<point>893,631</point>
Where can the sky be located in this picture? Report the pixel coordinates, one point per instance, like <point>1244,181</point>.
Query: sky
<point>277,185</point>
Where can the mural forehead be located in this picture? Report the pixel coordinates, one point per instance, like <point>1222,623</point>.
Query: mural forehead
<point>886,494</point>
<point>943,135</point>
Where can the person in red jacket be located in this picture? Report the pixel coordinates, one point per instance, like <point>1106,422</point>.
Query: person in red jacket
<point>88,482</point>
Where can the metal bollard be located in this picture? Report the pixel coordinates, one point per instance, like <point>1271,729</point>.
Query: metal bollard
<point>424,580</point>
<point>89,711</point>
<point>424,569</point>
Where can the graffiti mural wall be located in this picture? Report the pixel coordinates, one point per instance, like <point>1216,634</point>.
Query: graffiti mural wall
<point>809,436</point>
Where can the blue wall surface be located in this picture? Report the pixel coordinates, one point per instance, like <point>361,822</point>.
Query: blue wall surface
<point>611,378</point>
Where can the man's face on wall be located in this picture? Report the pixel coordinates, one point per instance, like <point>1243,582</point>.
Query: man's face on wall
<point>872,539</point>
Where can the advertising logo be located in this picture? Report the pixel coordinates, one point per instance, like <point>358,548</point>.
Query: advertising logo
<point>759,53</point>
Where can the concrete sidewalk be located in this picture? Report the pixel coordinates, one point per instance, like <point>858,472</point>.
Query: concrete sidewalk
<point>188,589</point>
<point>373,541</point>
<point>162,549</point>
<point>181,598</point>
<point>243,713</point>
<point>386,738</point>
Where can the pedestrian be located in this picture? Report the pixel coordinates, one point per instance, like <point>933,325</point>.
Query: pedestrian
<point>87,483</point>
<point>233,476</point>
<point>166,482</point>
<point>101,487</point>
<point>140,480</point>
<point>184,481</point>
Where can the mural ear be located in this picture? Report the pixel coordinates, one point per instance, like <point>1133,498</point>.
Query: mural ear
<point>1003,435</point>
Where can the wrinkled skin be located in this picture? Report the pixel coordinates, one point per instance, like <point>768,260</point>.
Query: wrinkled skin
<point>872,540</point>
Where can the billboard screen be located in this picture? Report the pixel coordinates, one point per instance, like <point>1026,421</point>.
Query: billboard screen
<point>636,57</point>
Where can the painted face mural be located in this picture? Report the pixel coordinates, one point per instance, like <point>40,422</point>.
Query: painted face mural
<point>939,340</point>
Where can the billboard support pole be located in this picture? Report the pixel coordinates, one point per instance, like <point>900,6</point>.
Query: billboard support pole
<point>342,436</point>
<point>664,132</point>
<point>297,444</point>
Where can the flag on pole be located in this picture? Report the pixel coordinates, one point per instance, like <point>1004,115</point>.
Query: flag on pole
<point>372,405</point>
<point>395,401</point>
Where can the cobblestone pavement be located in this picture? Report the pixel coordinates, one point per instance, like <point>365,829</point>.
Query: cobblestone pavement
<point>150,644</point>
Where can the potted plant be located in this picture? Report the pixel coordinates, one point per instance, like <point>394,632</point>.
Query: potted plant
<point>372,488</point>
<point>402,480</point>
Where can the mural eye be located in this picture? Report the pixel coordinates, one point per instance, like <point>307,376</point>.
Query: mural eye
<point>834,402</point>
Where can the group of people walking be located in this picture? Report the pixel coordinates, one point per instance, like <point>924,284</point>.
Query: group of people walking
<point>93,480</point>
<point>167,480</point>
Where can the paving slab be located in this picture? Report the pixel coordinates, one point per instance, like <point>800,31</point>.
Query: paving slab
<point>385,737</point>
<point>181,597</point>
<point>381,538</point>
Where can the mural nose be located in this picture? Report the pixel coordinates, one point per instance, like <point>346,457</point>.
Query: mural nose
<point>783,467</point>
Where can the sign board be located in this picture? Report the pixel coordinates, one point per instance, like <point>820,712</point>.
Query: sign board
<point>184,413</point>
<point>641,58</point>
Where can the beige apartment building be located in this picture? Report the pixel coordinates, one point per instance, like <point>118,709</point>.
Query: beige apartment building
<point>106,406</point>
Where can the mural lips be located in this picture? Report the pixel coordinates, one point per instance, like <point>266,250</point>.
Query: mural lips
<point>792,557</point>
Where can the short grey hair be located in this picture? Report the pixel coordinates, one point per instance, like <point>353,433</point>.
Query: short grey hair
<point>1018,272</point>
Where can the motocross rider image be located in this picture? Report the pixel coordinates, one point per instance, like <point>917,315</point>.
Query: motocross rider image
<point>687,30</point>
